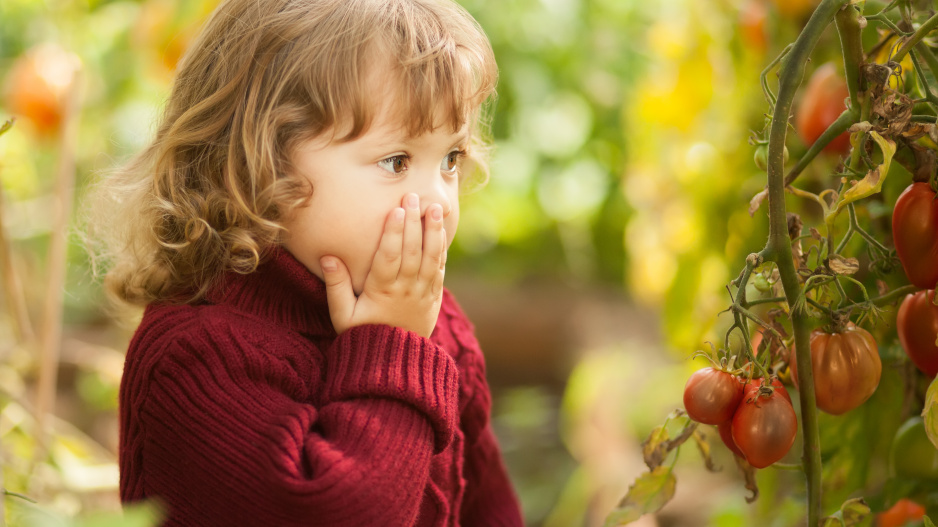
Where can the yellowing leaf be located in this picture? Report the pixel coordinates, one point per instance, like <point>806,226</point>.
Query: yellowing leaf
<point>930,412</point>
<point>851,514</point>
<point>655,448</point>
<point>650,492</point>
<point>872,182</point>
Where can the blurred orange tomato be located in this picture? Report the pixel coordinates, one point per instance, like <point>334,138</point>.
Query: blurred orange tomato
<point>821,104</point>
<point>795,8</point>
<point>752,17</point>
<point>37,83</point>
<point>905,511</point>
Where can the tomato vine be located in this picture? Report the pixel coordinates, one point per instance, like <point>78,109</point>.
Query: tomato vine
<point>813,284</point>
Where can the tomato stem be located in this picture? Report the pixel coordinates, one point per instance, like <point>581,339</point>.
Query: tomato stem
<point>836,128</point>
<point>778,247</point>
<point>916,37</point>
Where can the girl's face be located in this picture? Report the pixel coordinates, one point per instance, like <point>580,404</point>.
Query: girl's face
<point>356,184</point>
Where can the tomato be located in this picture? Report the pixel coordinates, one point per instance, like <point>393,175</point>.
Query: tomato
<point>36,86</point>
<point>726,434</point>
<point>846,368</point>
<point>917,325</point>
<point>776,383</point>
<point>761,158</point>
<point>915,233</point>
<point>711,396</point>
<point>764,427</point>
<point>822,103</point>
<point>912,455</point>
<point>904,512</point>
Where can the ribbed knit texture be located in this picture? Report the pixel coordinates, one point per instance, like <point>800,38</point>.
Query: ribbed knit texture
<point>248,409</point>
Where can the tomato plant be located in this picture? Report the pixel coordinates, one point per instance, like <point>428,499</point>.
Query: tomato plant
<point>821,105</point>
<point>915,232</point>
<point>838,272</point>
<point>917,326</point>
<point>846,367</point>
<point>904,512</point>
<point>764,426</point>
<point>711,396</point>
<point>912,455</point>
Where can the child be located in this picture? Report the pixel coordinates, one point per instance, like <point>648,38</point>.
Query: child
<point>299,362</point>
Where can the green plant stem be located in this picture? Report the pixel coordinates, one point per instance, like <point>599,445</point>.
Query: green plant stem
<point>758,301</point>
<point>886,299</point>
<point>846,119</point>
<point>848,28</point>
<point>779,243</point>
<point>916,37</point>
<point>928,57</point>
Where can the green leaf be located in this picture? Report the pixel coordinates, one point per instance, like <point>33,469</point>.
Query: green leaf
<point>851,514</point>
<point>871,183</point>
<point>930,412</point>
<point>649,493</point>
<point>927,522</point>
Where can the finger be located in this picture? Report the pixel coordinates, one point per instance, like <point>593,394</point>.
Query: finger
<point>433,243</point>
<point>387,261</point>
<point>413,238</point>
<point>339,292</point>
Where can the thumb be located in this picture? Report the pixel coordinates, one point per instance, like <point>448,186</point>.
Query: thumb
<point>339,293</point>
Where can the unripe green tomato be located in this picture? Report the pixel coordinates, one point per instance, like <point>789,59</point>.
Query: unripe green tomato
<point>762,156</point>
<point>912,454</point>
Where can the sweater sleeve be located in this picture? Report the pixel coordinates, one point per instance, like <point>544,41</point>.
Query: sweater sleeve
<point>490,499</point>
<point>232,438</point>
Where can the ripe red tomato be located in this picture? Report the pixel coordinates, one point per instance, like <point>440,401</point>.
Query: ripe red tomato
<point>905,511</point>
<point>726,434</point>
<point>821,105</point>
<point>846,368</point>
<point>917,325</point>
<point>915,232</point>
<point>764,428</point>
<point>711,396</point>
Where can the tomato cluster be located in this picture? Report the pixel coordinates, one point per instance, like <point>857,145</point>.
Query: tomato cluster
<point>846,368</point>
<point>755,422</point>
<point>915,233</point>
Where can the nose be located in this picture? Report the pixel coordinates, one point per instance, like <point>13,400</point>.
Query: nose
<point>435,192</point>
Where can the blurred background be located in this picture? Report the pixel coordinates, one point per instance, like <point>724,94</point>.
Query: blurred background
<point>594,263</point>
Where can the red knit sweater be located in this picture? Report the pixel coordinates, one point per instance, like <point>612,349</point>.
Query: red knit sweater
<point>248,409</point>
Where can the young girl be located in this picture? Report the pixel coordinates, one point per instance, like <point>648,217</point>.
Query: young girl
<point>299,362</point>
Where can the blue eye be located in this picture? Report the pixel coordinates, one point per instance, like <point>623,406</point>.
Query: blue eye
<point>451,161</point>
<point>394,164</point>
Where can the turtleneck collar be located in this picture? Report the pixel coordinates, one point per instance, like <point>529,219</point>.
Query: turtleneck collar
<point>282,290</point>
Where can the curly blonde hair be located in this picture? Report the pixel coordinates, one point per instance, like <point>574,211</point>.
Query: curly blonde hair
<point>209,193</point>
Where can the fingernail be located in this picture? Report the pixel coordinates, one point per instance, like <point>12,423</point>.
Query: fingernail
<point>413,201</point>
<point>328,264</point>
<point>398,215</point>
<point>436,212</point>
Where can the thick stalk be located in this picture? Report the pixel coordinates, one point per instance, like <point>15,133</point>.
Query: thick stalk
<point>779,243</point>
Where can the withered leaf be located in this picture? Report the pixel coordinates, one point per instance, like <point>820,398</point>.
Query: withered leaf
<point>843,266</point>
<point>655,447</point>
<point>749,474</point>
<point>704,448</point>
<point>756,201</point>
